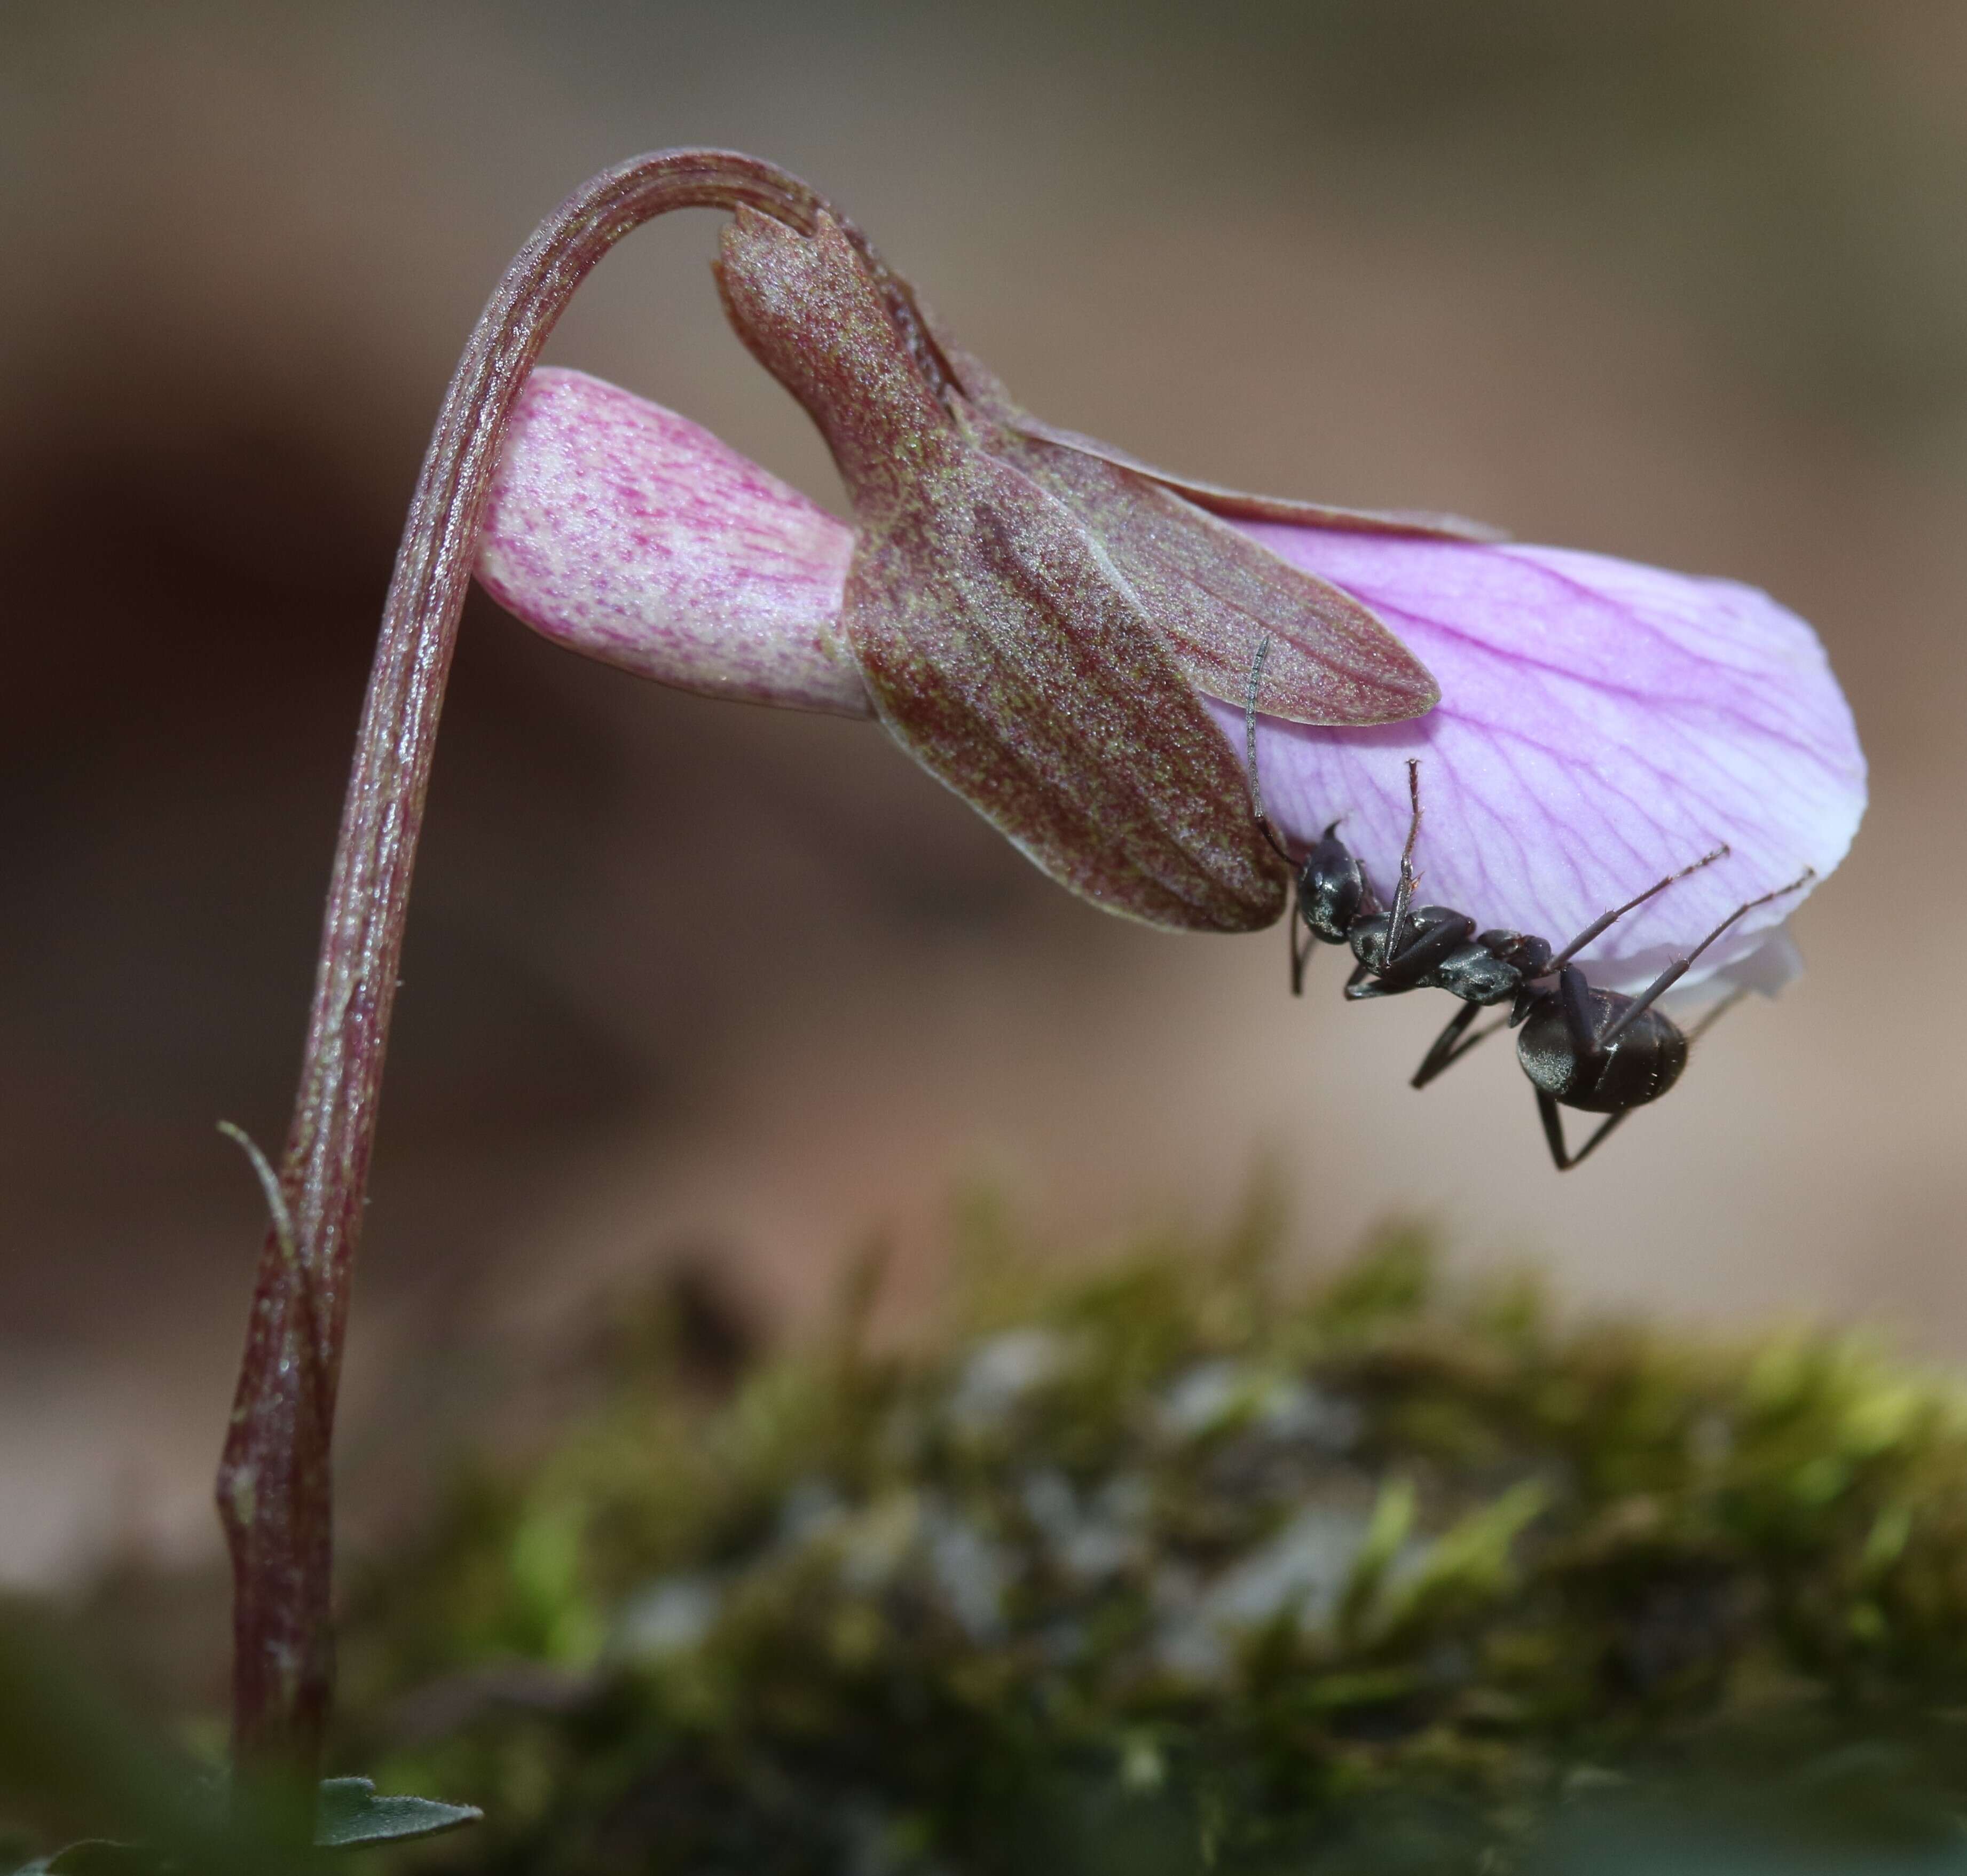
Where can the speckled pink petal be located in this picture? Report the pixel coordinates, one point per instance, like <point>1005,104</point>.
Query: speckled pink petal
<point>622,531</point>
<point>1602,725</point>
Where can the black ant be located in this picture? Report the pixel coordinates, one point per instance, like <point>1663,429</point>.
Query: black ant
<point>1597,1050</point>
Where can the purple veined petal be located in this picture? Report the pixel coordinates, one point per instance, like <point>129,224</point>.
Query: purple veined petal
<point>620,530</point>
<point>1602,724</point>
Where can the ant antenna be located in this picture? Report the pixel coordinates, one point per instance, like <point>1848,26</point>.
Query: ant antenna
<point>1675,971</point>
<point>1605,920</point>
<point>1283,852</point>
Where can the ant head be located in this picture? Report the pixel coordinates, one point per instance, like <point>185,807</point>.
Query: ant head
<point>1332,891</point>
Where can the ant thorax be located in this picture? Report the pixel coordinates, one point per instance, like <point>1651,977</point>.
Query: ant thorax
<point>1477,974</point>
<point>1430,934</point>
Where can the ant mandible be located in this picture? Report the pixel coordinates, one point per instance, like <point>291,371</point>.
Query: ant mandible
<point>1599,1051</point>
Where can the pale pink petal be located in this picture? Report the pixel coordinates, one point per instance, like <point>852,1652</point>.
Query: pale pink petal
<point>624,531</point>
<point>1602,725</point>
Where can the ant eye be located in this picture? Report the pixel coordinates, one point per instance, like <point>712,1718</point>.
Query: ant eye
<point>1602,725</point>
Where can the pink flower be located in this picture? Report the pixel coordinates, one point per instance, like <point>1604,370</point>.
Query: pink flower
<point>1600,725</point>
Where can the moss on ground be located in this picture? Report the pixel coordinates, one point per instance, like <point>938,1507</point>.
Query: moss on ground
<point>1175,1566</point>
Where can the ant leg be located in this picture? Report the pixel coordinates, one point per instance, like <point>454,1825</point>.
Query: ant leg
<point>1450,1045</point>
<point>1403,894</point>
<point>1553,1132</point>
<point>1574,996</point>
<point>1359,990</point>
<point>1675,971</point>
<point>1302,944</point>
<point>1605,920</point>
<point>1396,920</point>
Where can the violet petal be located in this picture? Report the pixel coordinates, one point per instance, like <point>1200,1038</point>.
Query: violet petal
<point>622,531</point>
<point>1602,724</point>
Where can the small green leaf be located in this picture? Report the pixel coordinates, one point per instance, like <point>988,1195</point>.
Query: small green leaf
<point>95,1856</point>
<point>351,1815</point>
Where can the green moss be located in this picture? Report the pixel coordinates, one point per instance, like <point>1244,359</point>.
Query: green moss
<point>1174,1566</point>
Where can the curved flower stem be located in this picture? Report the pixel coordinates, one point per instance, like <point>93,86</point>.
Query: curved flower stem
<point>274,1490</point>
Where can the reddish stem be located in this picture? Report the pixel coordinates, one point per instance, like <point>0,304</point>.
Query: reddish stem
<point>274,1486</point>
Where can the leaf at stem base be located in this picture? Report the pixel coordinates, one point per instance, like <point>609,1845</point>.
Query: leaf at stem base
<point>352,1813</point>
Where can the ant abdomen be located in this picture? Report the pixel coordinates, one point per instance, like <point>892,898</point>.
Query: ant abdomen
<point>1643,1062</point>
<point>1492,970</point>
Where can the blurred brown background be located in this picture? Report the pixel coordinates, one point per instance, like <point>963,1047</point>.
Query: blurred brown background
<point>696,985</point>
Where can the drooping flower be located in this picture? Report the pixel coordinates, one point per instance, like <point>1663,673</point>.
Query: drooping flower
<point>1038,617</point>
<point>1601,723</point>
